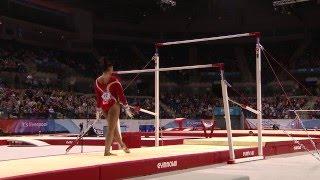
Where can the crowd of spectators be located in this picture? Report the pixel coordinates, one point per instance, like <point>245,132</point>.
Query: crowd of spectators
<point>34,96</point>
<point>279,107</point>
<point>10,61</point>
<point>45,103</point>
<point>316,106</point>
<point>48,103</point>
<point>190,105</point>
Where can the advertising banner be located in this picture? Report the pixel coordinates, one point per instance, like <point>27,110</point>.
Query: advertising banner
<point>234,111</point>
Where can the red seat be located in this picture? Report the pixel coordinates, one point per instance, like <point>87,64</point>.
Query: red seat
<point>179,122</point>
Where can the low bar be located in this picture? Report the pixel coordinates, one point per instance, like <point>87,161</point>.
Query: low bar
<point>245,107</point>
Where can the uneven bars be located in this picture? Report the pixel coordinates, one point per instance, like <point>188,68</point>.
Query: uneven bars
<point>208,39</point>
<point>147,112</point>
<point>218,65</point>
<point>143,110</point>
<point>245,107</point>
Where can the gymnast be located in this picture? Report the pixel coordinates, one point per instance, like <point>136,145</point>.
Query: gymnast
<point>110,97</point>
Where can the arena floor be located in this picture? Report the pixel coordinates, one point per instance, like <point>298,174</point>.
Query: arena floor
<point>149,160</point>
<point>16,153</point>
<point>59,162</point>
<point>295,166</point>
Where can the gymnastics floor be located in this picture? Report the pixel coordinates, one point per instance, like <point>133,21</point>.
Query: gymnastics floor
<point>144,161</point>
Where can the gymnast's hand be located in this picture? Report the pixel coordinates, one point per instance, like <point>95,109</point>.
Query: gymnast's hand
<point>128,111</point>
<point>98,113</point>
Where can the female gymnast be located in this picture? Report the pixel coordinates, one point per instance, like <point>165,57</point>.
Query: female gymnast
<point>109,97</point>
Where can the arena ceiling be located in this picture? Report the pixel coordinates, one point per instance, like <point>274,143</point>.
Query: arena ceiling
<point>161,17</point>
<point>205,16</point>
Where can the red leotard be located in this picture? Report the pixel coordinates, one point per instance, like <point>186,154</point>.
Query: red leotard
<point>108,94</point>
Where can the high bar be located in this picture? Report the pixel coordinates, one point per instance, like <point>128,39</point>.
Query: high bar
<point>218,65</point>
<point>208,39</point>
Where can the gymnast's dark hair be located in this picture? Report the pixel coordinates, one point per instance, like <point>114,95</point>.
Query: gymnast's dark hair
<point>105,64</point>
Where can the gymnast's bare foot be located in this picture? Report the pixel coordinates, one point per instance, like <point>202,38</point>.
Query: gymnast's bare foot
<point>125,148</point>
<point>109,154</point>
